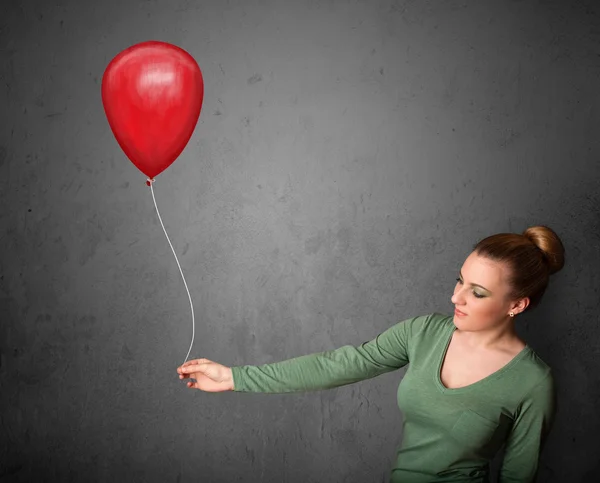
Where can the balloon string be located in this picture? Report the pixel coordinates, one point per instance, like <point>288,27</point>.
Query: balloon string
<point>149,183</point>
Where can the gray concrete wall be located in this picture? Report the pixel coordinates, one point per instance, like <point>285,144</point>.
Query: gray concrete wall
<point>348,156</point>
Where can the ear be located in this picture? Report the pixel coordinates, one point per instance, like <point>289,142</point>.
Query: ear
<point>521,305</point>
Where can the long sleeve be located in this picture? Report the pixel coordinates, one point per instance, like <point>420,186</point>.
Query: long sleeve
<point>325,370</point>
<point>529,432</point>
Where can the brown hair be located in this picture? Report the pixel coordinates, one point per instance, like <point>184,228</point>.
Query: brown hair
<point>531,257</point>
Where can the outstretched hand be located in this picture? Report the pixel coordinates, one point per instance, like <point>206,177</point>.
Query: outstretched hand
<point>209,376</point>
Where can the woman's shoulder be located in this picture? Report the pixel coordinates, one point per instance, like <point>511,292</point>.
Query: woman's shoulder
<point>427,325</point>
<point>535,366</point>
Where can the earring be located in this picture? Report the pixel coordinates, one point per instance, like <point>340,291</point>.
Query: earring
<point>512,314</point>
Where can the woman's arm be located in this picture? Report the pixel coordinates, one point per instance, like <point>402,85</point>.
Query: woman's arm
<point>348,364</point>
<point>528,435</point>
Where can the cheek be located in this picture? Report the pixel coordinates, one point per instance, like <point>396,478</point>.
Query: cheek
<point>485,309</point>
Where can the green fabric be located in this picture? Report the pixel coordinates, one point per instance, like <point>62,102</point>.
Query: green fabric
<point>449,435</point>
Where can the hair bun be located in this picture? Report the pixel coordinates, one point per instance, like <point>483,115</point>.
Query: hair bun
<point>550,245</point>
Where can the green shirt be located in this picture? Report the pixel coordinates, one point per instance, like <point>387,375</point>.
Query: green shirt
<point>449,435</point>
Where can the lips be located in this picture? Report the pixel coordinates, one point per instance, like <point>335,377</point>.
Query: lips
<point>458,312</point>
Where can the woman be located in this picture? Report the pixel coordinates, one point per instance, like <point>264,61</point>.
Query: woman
<point>472,386</point>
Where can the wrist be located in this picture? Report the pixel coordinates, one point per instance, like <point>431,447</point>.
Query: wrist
<point>231,382</point>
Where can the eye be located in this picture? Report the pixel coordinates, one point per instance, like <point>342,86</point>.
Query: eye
<point>479,296</point>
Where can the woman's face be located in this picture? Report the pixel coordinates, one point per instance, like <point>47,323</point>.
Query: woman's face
<point>481,293</point>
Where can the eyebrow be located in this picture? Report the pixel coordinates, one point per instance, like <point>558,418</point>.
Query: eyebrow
<point>475,284</point>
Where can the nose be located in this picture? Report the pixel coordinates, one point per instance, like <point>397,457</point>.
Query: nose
<point>457,298</point>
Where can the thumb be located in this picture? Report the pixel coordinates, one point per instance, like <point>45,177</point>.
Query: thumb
<point>195,361</point>
<point>196,367</point>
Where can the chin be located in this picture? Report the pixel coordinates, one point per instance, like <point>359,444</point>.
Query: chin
<point>461,323</point>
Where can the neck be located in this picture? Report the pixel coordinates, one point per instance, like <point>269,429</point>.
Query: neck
<point>497,336</point>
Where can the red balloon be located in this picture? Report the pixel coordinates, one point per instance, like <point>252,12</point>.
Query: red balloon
<point>152,94</point>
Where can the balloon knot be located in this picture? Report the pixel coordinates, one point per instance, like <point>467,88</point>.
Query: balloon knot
<point>150,181</point>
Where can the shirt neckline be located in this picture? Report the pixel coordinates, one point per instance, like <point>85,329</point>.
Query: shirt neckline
<point>481,382</point>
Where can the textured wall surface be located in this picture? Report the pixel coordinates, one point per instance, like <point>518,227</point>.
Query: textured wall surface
<point>348,156</point>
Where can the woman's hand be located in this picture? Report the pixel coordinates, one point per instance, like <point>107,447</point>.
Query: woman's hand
<point>210,376</point>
